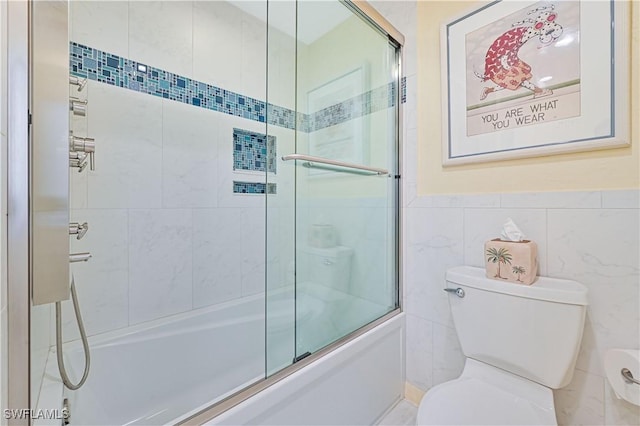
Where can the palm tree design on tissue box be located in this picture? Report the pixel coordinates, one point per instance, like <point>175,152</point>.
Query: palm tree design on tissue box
<point>499,255</point>
<point>518,270</point>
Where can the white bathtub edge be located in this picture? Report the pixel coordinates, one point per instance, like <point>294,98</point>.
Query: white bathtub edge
<point>274,405</point>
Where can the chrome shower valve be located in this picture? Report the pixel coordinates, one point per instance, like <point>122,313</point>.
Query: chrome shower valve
<point>80,148</point>
<point>78,107</point>
<point>78,229</point>
<point>76,81</point>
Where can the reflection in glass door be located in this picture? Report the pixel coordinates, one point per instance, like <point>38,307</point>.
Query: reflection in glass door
<point>345,166</point>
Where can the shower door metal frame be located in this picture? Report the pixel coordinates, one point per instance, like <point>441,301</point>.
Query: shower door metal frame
<point>369,14</point>
<point>43,211</point>
<point>17,178</point>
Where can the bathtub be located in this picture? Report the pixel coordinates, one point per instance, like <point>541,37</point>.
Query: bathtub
<point>164,371</point>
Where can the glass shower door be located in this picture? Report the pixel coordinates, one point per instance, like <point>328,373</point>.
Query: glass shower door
<point>345,174</point>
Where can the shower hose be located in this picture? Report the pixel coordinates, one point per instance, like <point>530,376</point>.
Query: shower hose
<point>83,336</point>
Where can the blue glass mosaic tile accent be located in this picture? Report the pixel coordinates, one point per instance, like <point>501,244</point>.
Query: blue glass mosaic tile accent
<point>94,64</point>
<point>280,116</point>
<point>254,151</point>
<point>404,90</point>
<point>369,102</point>
<point>86,62</point>
<point>253,187</point>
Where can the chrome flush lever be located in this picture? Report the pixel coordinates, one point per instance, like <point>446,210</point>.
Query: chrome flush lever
<point>77,229</point>
<point>457,291</point>
<point>628,376</point>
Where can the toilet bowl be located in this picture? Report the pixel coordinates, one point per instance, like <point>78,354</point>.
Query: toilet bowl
<point>520,342</point>
<point>485,395</point>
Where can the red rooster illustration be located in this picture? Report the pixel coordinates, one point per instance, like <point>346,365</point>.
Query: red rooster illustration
<point>502,64</point>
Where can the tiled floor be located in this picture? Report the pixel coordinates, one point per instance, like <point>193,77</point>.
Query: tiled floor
<point>403,414</point>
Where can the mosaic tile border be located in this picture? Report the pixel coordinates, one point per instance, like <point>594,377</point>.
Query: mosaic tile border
<point>104,67</point>
<point>86,62</point>
<point>403,82</point>
<point>367,103</point>
<point>240,187</point>
<point>254,151</point>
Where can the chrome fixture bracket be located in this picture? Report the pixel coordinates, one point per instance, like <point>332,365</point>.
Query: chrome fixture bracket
<point>628,377</point>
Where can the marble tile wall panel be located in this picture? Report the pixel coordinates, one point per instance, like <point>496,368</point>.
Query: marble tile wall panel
<point>160,263</point>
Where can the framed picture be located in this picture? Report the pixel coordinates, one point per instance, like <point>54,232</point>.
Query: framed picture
<point>524,79</point>
<point>341,141</point>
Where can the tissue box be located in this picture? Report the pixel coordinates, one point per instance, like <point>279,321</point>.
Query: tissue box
<point>515,261</point>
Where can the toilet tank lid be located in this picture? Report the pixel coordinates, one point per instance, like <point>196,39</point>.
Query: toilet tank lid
<point>544,288</point>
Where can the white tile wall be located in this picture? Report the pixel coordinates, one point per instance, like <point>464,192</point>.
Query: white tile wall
<point>217,265</point>
<point>161,34</point>
<point>434,244</point>
<point>227,33</point>
<point>448,360</point>
<point>127,127</point>
<point>419,350</point>
<point>160,204</point>
<point>157,165</point>
<point>211,41</point>
<point>582,401</point>
<point>599,247</point>
<point>102,25</point>
<point>254,55</point>
<point>252,243</point>
<point>552,200</point>
<point>578,238</point>
<point>629,199</point>
<point>189,153</point>
<point>160,263</point>
<point>102,284</point>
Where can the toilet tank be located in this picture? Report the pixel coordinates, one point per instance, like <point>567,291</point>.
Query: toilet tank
<point>330,267</point>
<point>532,331</point>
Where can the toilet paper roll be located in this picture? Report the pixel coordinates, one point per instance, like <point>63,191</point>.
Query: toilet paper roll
<point>614,361</point>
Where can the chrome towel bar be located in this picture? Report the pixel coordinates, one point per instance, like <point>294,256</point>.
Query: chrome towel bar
<point>355,168</point>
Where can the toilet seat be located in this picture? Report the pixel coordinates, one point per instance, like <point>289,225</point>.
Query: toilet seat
<point>486,395</point>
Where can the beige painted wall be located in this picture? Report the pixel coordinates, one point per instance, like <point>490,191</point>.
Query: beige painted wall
<point>595,170</point>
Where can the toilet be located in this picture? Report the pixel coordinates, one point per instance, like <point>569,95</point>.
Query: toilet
<point>520,342</point>
<point>328,267</point>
